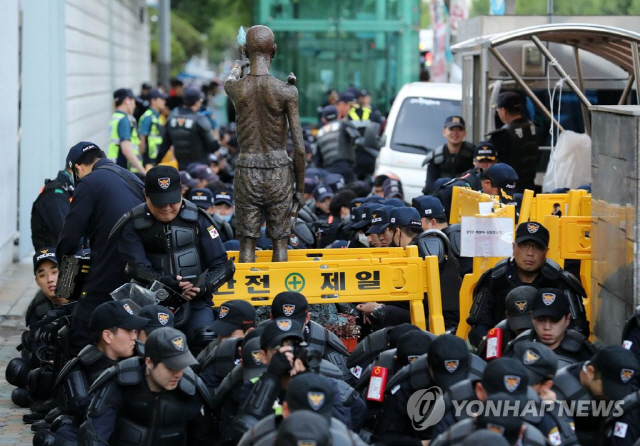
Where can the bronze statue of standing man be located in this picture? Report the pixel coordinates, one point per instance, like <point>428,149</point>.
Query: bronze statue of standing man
<point>265,175</point>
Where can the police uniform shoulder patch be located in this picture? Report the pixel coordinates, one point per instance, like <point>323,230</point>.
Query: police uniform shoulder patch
<point>511,382</point>
<point>127,308</point>
<point>620,429</point>
<point>554,437</point>
<point>626,375</point>
<point>521,305</point>
<point>316,400</point>
<point>548,298</point>
<point>495,428</point>
<point>164,183</point>
<point>451,365</point>
<point>284,325</point>
<point>288,309</point>
<point>213,232</point>
<point>223,311</point>
<point>163,318</point>
<point>530,357</point>
<point>178,343</point>
<point>627,344</point>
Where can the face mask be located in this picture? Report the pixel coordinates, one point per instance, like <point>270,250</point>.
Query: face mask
<point>362,238</point>
<point>227,218</point>
<point>346,220</point>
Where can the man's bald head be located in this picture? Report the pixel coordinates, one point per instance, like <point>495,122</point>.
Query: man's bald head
<point>260,41</point>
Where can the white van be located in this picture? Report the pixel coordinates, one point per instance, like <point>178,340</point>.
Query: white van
<point>414,127</point>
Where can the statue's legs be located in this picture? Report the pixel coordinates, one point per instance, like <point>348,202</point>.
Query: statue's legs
<point>248,250</point>
<point>279,250</point>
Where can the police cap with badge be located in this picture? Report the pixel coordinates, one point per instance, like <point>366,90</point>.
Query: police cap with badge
<point>170,347</point>
<point>505,178</point>
<point>158,316</point>
<point>42,255</point>
<point>533,231</point>
<point>277,330</point>
<point>484,150</point>
<point>115,314</point>
<point>234,315</point>
<point>201,197</point>
<point>162,185</point>
<point>405,217</point>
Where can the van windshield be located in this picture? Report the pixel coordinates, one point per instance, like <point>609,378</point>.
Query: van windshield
<point>420,122</point>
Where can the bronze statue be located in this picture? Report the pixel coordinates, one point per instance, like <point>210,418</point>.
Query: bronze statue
<point>265,175</point>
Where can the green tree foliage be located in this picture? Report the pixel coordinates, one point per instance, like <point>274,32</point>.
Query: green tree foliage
<point>186,41</point>
<point>565,7</point>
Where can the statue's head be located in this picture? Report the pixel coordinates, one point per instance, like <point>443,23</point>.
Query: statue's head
<point>260,42</point>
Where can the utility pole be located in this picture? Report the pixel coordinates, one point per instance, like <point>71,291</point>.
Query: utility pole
<point>164,42</point>
<point>510,7</point>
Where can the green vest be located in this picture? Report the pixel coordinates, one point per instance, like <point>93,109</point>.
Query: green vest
<point>114,139</point>
<point>154,138</point>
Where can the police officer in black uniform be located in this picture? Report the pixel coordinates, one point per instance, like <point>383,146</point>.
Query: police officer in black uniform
<point>631,333</point>
<point>175,241</point>
<point>516,140</point>
<point>451,159</point>
<point>189,132</point>
<point>334,144</point>
<point>50,209</point>
<point>114,331</point>
<point>528,266</point>
<point>610,375</point>
<point>157,399</point>
<point>551,316</point>
<point>103,193</point>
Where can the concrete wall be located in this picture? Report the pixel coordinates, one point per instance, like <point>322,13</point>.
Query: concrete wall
<point>75,54</point>
<point>9,71</point>
<point>616,180</point>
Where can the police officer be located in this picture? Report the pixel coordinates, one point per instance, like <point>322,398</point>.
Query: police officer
<point>189,132</point>
<point>289,304</point>
<point>485,155</point>
<point>175,241</point>
<point>151,129</point>
<point>124,142</point>
<point>204,198</point>
<point>334,147</point>
<point>610,375</point>
<point>516,140</point>
<point>104,192</point>
<point>307,391</point>
<point>542,363</point>
<point>365,121</point>
<point>623,429</point>
<point>157,399</point>
<point>501,180</point>
<point>551,316</point>
<point>50,209</point>
<point>631,333</point>
<point>528,266</point>
<point>452,158</point>
<point>114,330</point>
<point>518,305</point>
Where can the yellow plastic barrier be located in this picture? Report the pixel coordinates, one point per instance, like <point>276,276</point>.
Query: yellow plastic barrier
<point>334,254</point>
<point>387,275</point>
<point>465,203</point>
<point>574,203</point>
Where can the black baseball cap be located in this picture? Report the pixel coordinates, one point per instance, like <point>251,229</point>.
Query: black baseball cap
<point>309,185</point>
<point>321,192</point>
<point>346,97</point>
<point>395,203</point>
<point>277,330</point>
<point>158,316</point>
<point>115,314</point>
<point>170,347</point>
<point>365,211</point>
<point>404,217</point>
<point>541,362</point>
<point>392,189</point>
<point>42,255</point>
<point>330,112</point>
<point>506,375</point>
<point>448,357</point>
<point>192,95</point>
<point>290,304</point>
<point>123,93</point>
<point>204,172</point>
<point>223,197</point>
<point>78,150</point>
<point>518,305</point>
<point>201,197</point>
<point>485,151</point>
<point>454,121</point>
<point>552,302</point>
<point>311,391</point>
<point>509,427</point>
<point>395,333</point>
<point>334,181</point>
<point>509,100</point>
<point>619,369</point>
<point>532,230</point>
<point>429,206</point>
<point>233,315</point>
<point>187,180</point>
<point>379,220</point>
<point>373,199</point>
<point>252,365</point>
<point>304,428</point>
<point>162,185</point>
<point>503,176</point>
<point>157,93</point>
<point>411,346</point>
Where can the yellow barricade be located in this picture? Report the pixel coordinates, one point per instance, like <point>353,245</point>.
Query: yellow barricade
<point>387,275</point>
<point>574,203</point>
<point>465,203</point>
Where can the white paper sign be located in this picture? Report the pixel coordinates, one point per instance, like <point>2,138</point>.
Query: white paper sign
<point>485,207</point>
<point>486,237</point>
